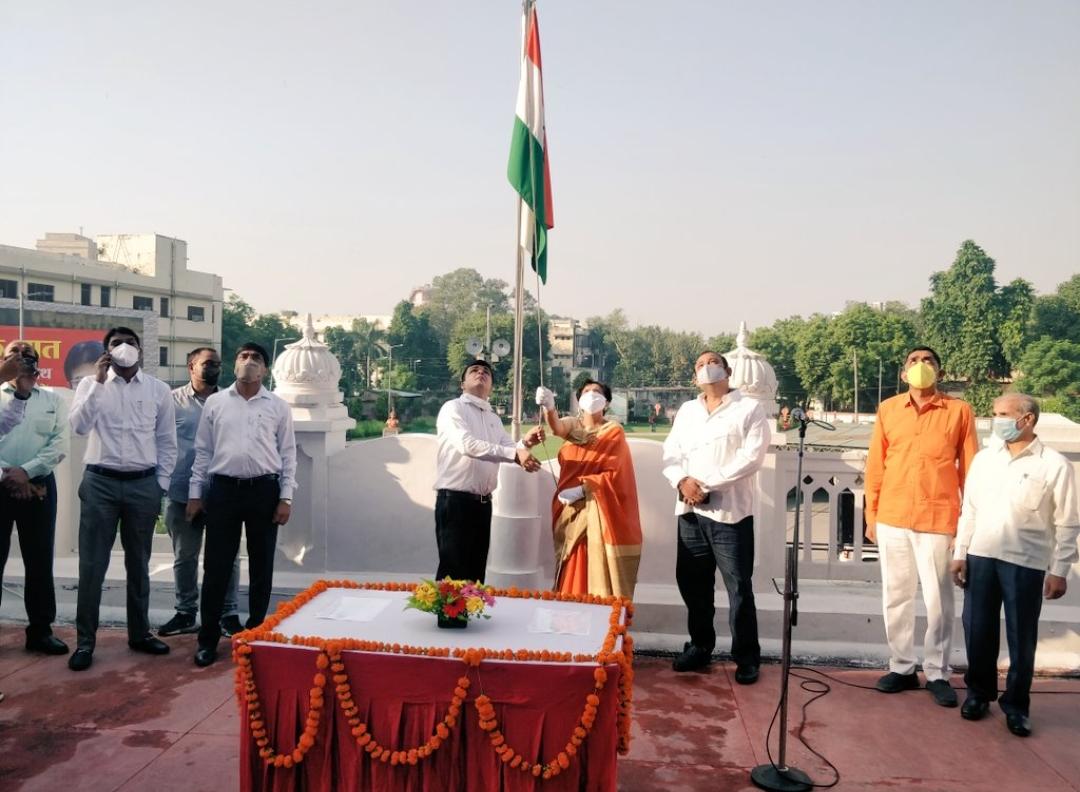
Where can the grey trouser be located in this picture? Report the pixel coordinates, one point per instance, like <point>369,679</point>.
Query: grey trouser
<point>135,506</point>
<point>187,539</point>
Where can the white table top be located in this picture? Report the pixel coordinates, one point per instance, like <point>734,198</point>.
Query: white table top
<point>508,627</point>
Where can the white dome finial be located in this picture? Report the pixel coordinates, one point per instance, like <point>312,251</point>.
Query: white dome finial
<point>752,374</point>
<point>307,371</point>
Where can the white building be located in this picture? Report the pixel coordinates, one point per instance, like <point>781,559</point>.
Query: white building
<point>321,323</point>
<point>141,272</point>
<point>568,345</point>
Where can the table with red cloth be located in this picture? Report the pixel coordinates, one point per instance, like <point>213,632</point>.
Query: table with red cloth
<point>537,669</point>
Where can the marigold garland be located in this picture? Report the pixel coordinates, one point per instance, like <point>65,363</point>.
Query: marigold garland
<point>329,657</point>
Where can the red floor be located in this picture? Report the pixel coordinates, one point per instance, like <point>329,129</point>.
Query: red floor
<point>150,723</point>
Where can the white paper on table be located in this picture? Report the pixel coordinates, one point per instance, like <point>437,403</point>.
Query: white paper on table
<point>562,622</point>
<point>357,609</point>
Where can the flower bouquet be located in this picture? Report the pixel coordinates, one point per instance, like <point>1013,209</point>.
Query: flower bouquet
<point>453,601</point>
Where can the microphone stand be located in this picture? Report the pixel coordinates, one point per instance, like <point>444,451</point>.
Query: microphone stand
<point>780,777</point>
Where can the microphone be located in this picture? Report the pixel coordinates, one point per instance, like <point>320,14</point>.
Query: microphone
<point>799,414</point>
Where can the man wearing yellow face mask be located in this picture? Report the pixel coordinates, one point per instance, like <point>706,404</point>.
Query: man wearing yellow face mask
<point>922,445</point>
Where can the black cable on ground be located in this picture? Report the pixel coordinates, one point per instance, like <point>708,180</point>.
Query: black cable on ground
<point>820,688</point>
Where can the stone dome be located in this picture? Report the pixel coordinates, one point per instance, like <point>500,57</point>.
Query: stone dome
<point>307,371</point>
<point>752,374</point>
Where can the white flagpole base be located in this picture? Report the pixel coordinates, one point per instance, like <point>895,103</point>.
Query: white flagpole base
<point>514,556</point>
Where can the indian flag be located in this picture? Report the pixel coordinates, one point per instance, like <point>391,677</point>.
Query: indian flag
<point>528,168</point>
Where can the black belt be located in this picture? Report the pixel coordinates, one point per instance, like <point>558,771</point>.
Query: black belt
<point>121,475</point>
<point>466,495</point>
<point>243,482</point>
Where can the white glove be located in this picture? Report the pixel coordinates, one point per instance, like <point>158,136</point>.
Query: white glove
<point>572,495</point>
<point>545,398</point>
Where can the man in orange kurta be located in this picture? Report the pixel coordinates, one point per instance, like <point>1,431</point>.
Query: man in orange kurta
<point>922,445</point>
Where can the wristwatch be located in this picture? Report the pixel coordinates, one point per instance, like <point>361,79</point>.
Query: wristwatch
<point>287,501</point>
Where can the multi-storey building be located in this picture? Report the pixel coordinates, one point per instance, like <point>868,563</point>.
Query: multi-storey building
<point>72,282</point>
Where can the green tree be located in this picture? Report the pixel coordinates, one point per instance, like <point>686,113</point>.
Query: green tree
<point>461,293</point>
<point>816,355</point>
<point>1051,367</point>
<point>420,348</point>
<point>779,343</point>
<point>972,324</point>
<point>1057,315</point>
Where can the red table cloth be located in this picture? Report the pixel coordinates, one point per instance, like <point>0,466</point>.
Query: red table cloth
<point>403,698</point>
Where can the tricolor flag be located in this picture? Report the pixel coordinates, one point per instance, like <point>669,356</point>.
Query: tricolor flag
<point>528,168</point>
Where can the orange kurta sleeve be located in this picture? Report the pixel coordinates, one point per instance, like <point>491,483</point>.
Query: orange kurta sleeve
<point>875,469</point>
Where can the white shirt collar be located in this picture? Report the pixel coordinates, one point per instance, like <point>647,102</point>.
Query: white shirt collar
<point>113,375</point>
<point>262,394</point>
<point>476,401</point>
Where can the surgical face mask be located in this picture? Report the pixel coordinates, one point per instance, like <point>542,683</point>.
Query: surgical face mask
<point>124,355</point>
<point>711,373</point>
<point>1006,429</point>
<point>921,375</point>
<point>592,402</point>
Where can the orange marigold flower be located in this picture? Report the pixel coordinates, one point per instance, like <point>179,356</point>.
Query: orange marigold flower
<point>564,760</point>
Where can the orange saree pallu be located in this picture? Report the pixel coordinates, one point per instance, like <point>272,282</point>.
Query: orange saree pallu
<point>598,538</point>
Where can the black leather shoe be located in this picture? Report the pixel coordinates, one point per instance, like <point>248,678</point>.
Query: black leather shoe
<point>893,682</point>
<point>205,656</point>
<point>231,625</point>
<point>746,674</point>
<point>974,709</point>
<point>49,644</point>
<point>81,660</point>
<point>150,645</point>
<point>692,658</point>
<point>1018,725</point>
<point>943,693</point>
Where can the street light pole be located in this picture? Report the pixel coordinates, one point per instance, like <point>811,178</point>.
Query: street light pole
<point>389,371</point>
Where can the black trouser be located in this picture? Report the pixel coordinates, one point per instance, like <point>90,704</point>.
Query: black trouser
<point>990,584</point>
<point>231,504</point>
<point>704,545</point>
<point>463,533</point>
<point>36,522</point>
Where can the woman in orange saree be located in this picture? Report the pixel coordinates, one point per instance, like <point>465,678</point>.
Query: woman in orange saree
<point>595,520</point>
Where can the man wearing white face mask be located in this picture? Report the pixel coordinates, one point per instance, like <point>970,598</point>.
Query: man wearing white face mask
<point>717,443</point>
<point>922,445</point>
<point>130,455</point>
<point>1015,545</point>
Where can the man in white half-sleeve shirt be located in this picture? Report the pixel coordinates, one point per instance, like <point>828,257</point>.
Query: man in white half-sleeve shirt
<point>1015,544</point>
<point>130,455</point>
<point>244,475</point>
<point>717,443</point>
<point>472,445</point>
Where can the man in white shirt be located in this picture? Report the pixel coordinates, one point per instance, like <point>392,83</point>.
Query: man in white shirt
<point>472,443</point>
<point>130,455</point>
<point>28,455</point>
<point>1014,546</point>
<point>244,476</point>
<point>716,445</point>
<point>204,369</point>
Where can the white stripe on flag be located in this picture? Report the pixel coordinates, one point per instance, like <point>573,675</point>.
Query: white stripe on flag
<point>530,100</point>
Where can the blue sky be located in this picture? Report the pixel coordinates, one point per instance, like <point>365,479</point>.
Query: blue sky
<point>712,161</point>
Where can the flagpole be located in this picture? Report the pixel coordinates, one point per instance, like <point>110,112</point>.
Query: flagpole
<point>519,317</point>
<point>519,280</point>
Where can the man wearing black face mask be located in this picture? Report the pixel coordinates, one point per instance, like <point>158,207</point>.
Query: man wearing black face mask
<point>204,370</point>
